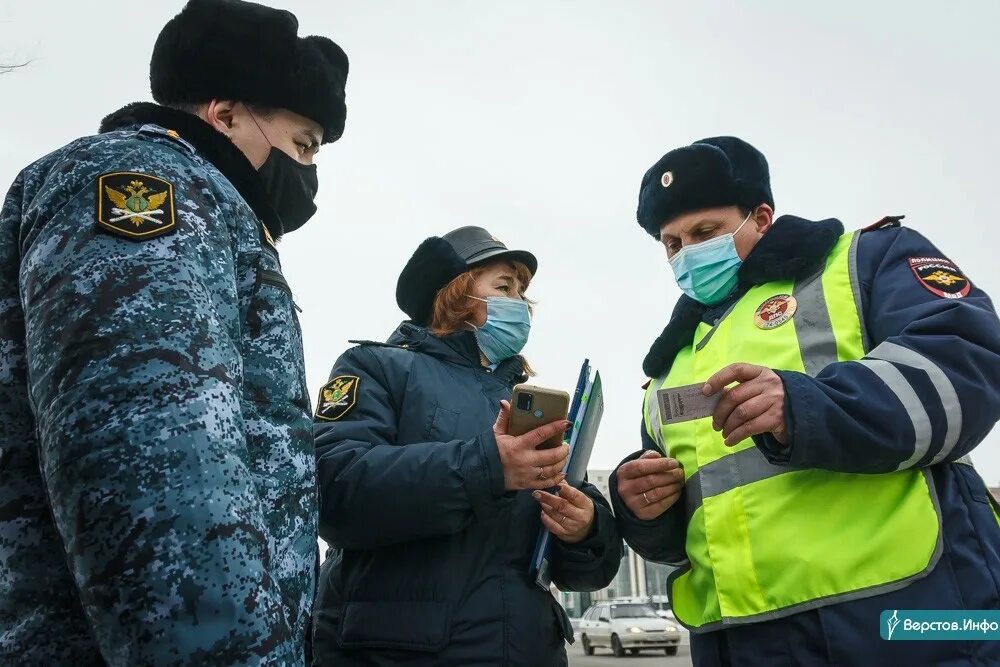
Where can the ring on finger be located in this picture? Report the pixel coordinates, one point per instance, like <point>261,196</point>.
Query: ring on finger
<point>541,472</point>
<point>646,498</point>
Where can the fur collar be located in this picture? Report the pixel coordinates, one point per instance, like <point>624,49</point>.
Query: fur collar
<point>211,145</point>
<point>793,249</point>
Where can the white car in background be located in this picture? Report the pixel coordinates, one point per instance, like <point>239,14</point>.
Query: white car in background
<point>627,626</point>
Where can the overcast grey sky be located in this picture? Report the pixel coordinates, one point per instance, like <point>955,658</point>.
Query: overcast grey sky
<point>537,118</point>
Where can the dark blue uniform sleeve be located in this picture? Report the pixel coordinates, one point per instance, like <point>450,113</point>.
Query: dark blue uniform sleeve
<point>928,390</point>
<point>661,539</point>
<point>591,564</point>
<point>375,492</point>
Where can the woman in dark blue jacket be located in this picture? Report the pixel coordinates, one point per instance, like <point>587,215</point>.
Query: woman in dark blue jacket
<point>430,508</point>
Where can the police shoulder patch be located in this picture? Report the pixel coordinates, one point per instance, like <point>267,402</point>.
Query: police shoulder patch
<point>337,397</point>
<point>940,276</point>
<point>135,206</point>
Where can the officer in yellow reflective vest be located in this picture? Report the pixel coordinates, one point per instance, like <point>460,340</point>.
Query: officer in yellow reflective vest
<point>853,373</point>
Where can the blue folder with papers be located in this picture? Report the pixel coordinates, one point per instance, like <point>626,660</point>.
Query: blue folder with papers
<point>585,414</point>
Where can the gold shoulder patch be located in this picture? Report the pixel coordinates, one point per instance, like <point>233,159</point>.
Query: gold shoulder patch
<point>337,397</point>
<point>135,206</point>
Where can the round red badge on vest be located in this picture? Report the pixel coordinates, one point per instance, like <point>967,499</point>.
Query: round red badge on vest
<point>775,311</point>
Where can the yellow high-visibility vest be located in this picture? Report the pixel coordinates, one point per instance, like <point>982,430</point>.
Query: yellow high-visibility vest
<point>763,540</point>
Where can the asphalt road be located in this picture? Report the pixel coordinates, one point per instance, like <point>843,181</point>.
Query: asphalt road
<point>604,658</point>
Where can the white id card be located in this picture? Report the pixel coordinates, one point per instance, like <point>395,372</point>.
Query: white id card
<point>681,404</point>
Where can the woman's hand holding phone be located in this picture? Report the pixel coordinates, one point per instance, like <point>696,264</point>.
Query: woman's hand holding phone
<point>524,465</point>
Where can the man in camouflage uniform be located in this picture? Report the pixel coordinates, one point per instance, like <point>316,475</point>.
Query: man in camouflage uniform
<point>158,501</point>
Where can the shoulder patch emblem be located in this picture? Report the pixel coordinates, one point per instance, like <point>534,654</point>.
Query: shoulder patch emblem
<point>775,311</point>
<point>135,206</point>
<point>337,397</point>
<point>940,276</point>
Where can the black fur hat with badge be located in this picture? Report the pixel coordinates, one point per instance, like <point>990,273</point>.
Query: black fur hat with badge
<point>719,171</point>
<point>230,49</point>
<point>441,259</point>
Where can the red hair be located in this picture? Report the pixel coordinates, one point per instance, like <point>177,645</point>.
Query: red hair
<point>452,306</point>
<point>453,309</point>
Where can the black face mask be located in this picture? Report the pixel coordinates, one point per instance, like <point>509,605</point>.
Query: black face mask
<point>292,187</point>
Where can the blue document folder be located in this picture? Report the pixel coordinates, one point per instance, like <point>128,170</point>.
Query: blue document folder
<point>585,414</point>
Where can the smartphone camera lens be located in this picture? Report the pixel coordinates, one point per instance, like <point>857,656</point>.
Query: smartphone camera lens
<point>524,402</point>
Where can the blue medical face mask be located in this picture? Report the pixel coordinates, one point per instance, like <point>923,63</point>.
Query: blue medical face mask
<point>708,271</point>
<point>505,333</point>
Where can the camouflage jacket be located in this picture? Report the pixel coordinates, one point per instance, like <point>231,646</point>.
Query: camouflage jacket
<point>158,503</point>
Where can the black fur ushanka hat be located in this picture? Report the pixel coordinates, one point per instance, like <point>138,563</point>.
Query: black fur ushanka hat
<point>718,171</point>
<point>441,259</point>
<point>230,49</point>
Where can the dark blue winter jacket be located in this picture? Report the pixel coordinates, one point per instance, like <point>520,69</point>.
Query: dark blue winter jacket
<point>429,555</point>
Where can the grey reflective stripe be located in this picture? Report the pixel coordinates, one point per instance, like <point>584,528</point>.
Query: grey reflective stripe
<point>692,493</point>
<point>653,415</point>
<point>732,471</point>
<point>967,460</point>
<point>945,389</point>
<point>891,376</point>
<point>852,271</point>
<point>813,328</point>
